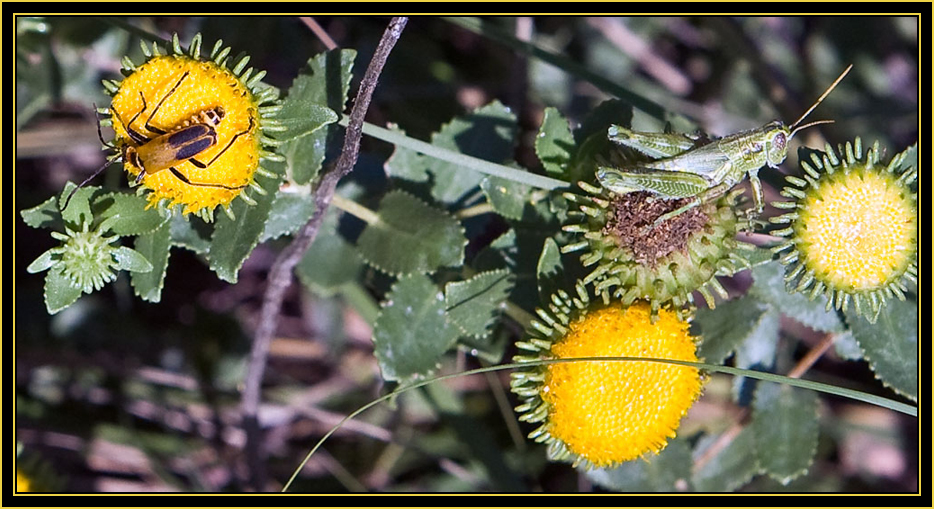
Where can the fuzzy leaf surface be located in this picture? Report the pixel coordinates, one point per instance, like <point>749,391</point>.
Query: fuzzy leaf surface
<point>234,240</point>
<point>330,261</point>
<point>412,332</point>
<point>769,287</point>
<point>411,236</point>
<point>554,143</point>
<point>155,247</point>
<point>891,344</point>
<point>59,291</point>
<point>486,133</point>
<point>323,84</point>
<point>730,468</point>
<point>474,305</point>
<point>131,215</point>
<point>724,329</point>
<point>784,421</point>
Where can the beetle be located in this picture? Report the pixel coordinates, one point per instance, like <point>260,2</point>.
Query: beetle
<point>168,149</point>
<point>691,167</point>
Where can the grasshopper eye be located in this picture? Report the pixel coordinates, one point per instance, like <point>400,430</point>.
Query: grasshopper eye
<point>779,141</point>
<point>777,149</point>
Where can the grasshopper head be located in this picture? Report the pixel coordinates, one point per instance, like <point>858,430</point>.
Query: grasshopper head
<point>777,136</point>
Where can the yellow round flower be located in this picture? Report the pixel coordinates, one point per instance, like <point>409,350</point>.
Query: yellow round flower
<point>189,130</point>
<point>854,228</point>
<point>601,414</point>
<point>22,482</point>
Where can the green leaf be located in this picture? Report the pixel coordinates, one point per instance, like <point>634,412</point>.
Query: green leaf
<point>474,305</point>
<point>130,214</point>
<point>730,468</point>
<point>592,140</point>
<point>725,328</point>
<point>411,236</point>
<point>155,247</point>
<point>290,211</point>
<point>59,290</point>
<point>45,261</point>
<point>757,351</point>
<point>234,240</point>
<point>489,348</point>
<point>549,270</point>
<point>508,198</point>
<point>846,347</point>
<point>330,261</point>
<point>523,258</point>
<point>131,260</point>
<point>303,157</point>
<point>302,117</point>
<point>192,235</point>
<point>498,254</point>
<point>44,215</point>
<point>669,471</point>
<point>554,143</point>
<point>769,287</point>
<point>406,163</point>
<point>891,344</point>
<point>599,120</point>
<point>487,133</point>
<point>325,82</point>
<point>316,94</point>
<point>79,208</point>
<point>784,422</point>
<point>411,333</point>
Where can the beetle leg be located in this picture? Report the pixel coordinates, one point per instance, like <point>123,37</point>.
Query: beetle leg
<point>156,109</point>
<point>184,179</point>
<point>201,165</point>
<point>138,138</point>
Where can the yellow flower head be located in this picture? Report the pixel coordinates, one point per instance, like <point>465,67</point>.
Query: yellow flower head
<point>601,414</point>
<point>854,229</point>
<point>23,484</point>
<point>189,129</point>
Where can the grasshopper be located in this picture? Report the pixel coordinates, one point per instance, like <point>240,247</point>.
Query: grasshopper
<point>686,166</point>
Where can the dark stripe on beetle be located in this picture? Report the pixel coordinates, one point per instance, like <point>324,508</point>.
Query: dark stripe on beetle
<point>187,134</point>
<point>194,148</point>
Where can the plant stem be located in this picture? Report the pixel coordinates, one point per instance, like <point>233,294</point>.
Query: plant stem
<point>355,209</point>
<point>280,274</point>
<point>523,177</point>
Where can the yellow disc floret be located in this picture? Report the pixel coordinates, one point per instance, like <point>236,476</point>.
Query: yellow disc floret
<point>611,412</point>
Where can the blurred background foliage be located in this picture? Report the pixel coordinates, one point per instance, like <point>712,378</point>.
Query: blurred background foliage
<point>121,395</point>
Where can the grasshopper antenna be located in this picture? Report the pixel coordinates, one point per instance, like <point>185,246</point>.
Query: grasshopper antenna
<point>809,124</point>
<point>819,100</point>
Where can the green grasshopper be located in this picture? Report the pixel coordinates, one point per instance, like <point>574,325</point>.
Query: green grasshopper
<point>686,166</point>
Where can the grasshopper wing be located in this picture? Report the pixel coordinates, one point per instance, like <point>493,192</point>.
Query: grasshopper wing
<point>667,184</point>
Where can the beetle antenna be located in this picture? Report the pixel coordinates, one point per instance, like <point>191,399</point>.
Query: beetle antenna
<point>79,186</point>
<point>823,96</point>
